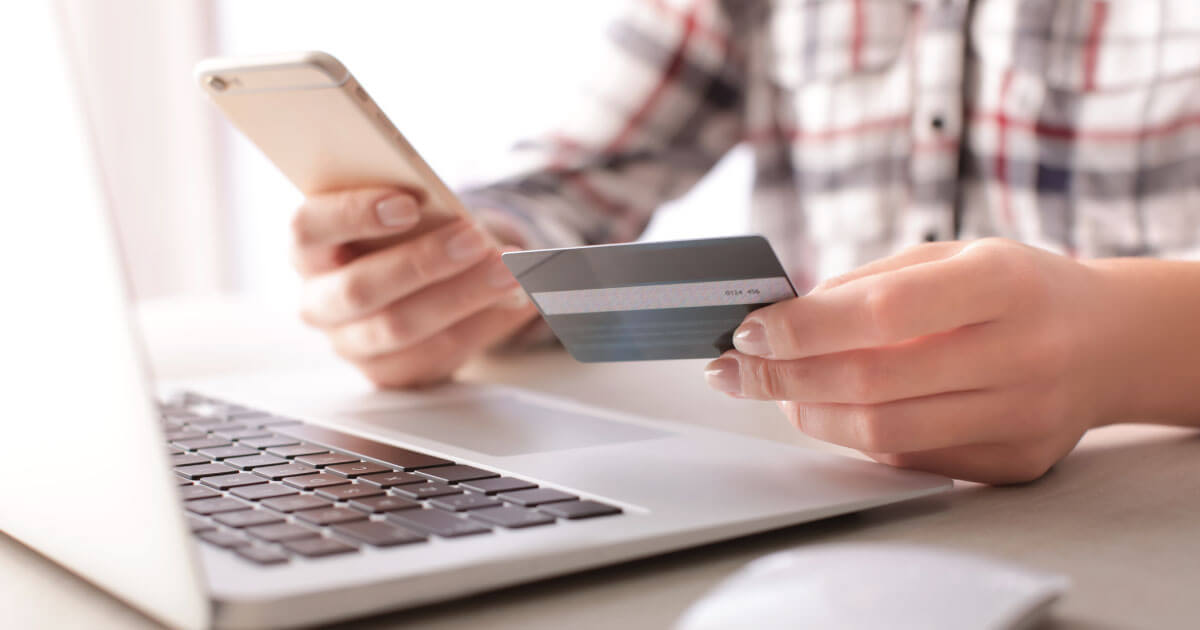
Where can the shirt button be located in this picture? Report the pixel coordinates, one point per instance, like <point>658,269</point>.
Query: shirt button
<point>938,122</point>
<point>931,236</point>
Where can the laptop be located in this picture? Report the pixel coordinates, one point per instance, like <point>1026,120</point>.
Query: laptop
<point>274,501</point>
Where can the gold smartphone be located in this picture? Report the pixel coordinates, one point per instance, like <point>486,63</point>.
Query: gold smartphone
<point>318,125</point>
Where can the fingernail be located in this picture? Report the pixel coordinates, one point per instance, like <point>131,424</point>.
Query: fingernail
<point>499,276</point>
<point>751,338</point>
<point>724,375</point>
<point>465,245</point>
<point>398,211</point>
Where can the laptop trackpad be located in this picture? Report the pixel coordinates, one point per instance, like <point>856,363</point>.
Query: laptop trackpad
<point>502,425</point>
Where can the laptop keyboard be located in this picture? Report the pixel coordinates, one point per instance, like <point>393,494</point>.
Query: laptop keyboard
<point>270,489</point>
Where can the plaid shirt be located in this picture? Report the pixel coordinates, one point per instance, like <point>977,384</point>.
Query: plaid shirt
<point>1072,125</point>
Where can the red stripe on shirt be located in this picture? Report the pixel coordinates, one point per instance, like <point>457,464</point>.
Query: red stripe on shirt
<point>1092,51</point>
<point>1001,162</point>
<point>634,123</point>
<point>856,38</point>
<point>1068,134</point>
<point>558,164</point>
<point>702,31</point>
<point>610,207</point>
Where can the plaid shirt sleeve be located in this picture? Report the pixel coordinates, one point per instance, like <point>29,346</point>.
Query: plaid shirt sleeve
<point>659,113</point>
<point>878,124</point>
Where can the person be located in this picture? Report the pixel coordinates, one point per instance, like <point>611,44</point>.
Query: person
<point>993,205</point>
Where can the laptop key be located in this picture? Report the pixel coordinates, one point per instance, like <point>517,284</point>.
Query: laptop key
<point>200,471</point>
<point>511,516</point>
<point>284,470</point>
<point>183,435</point>
<point>349,491</point>
<point>223,427</point>
<point>270,421</point>
<point>225,452</point>
<point>201,443</point>
<point>312,482</point>
<point>196,423</point>
<point>267,441</point>
<point>317,547</point>
<point>356,469</point>
<point>247,413</point>
<point>392,479</point>
<point>241,433</point>
<point>198,525</point>
<point>464,502</point>
<point>250,462</point>
<point>281,532</point>
<point>225,482</point>
<point>296,449</point>
<point>193,492</point>
<point>261,554</point>
<point>394,455</point>
<point>438,523</point>
<point>457,473</point>
<point>295,503</point>
<point>215,505</point>
<point>174,451</point>
<point>248,518</point>
<point>326,459</point>
<point>579,509</point>
<point>536,496</point>
<point>263,491</point>
<point>202,423</point>
<point>426,490</point>
<point>187,459</point>
<point>383,504</point>
<point>379,534</point>
<point>497,484</point>
<point>177,413</point>
<point>226,540</point>
<point>330,515</point>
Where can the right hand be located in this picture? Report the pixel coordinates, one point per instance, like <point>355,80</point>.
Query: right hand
<point>406,311</point>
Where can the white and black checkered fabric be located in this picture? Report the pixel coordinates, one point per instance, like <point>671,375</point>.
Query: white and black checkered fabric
<point>1072,125</point>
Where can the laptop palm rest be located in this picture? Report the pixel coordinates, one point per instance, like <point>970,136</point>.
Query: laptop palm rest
<point>504,426</point>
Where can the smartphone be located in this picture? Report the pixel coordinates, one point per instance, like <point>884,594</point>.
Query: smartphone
<point>318,125</point>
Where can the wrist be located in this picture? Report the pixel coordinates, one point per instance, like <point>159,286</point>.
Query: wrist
<point>1144,327</point>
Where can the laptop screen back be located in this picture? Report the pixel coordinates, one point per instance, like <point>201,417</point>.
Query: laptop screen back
<point>78,416</point>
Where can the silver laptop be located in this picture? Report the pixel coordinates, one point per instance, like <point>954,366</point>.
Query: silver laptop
<point>252,504</point>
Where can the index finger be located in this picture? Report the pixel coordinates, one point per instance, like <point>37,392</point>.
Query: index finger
<point>352,215</point>
<point>880,310</point>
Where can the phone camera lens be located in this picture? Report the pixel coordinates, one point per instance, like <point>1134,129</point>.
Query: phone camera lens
<point>217,83</point>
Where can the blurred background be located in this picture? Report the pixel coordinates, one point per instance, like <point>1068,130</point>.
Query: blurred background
<point>201,212</point>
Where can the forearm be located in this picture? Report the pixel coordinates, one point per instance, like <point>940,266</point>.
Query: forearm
<point>1149,319</point>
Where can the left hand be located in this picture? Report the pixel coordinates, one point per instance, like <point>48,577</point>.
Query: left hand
<point>978,360</point>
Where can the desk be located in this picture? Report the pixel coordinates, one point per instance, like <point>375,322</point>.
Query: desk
<point>1120,515</point>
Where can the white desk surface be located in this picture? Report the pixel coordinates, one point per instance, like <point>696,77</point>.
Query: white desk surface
<point>1120,515</point>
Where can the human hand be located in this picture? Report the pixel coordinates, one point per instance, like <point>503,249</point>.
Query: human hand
<point>978,360</point>
<point>406,311</point>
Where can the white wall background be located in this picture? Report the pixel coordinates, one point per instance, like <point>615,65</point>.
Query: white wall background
<point>462,79</point>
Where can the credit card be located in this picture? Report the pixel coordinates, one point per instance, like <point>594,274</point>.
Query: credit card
<point>651,301</point>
